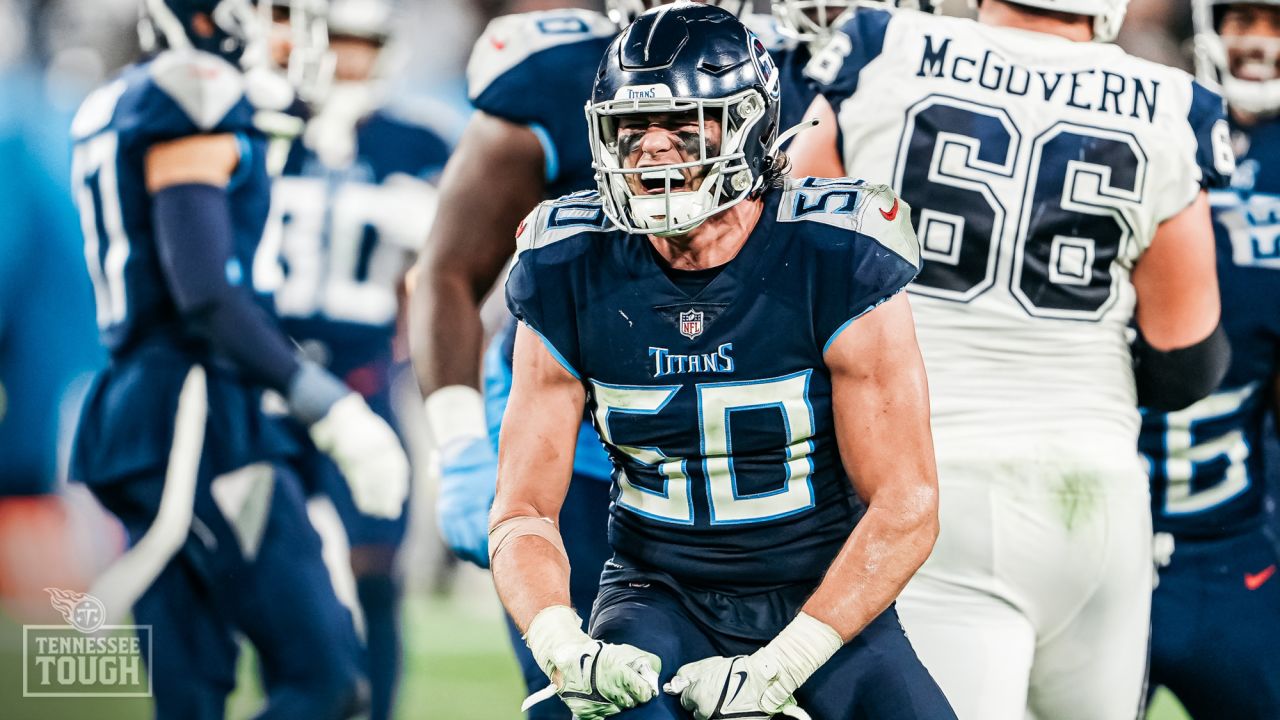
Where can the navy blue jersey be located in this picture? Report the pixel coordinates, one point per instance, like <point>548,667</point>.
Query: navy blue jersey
<point>127,423</point>
<point>716,408</point>
<point>1207,469</point>
<point>536,69</point>
<point>174,95</point>
<point>346,234</point>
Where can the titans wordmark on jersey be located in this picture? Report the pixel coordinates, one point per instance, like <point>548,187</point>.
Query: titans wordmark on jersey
<point>341,238</point>
<point>127,423</point>
<point>1038,169</point>
<point>716,407</point>
<point>1206,461</point>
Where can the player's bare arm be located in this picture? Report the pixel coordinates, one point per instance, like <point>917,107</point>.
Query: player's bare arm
<point>881,406</point>
<point>201,159</point>
<point>1182,353</point>
<point>534,466</point>
<point>527,555</point>
<point>492,181</point>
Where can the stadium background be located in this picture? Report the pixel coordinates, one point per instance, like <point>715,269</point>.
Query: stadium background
<point>52,52</point>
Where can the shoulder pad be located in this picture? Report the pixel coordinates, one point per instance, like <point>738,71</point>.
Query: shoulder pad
<point>563,218</point>
<point>765,26</point>
<point>96,111</point>
<point>204,85</point>
<point>511,39</point>
<point>870,209</point>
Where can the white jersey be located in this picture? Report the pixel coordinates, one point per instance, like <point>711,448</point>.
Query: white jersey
<point>1039,169</point>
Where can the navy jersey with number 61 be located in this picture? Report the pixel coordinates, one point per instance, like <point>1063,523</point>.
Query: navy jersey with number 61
<point>716,408</point>
<point>1206,461</point>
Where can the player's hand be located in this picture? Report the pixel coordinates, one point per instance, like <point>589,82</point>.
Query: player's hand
<point>368,453</point>
<point>468,478</point>
<point>759,685</point>
<point>595,679</point>
<point>745,687</point>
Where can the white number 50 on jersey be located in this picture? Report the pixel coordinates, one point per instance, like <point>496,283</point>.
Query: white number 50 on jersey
<point>716,404</point>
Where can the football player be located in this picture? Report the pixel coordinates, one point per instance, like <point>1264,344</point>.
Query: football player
<point>1215,616</point>
<point>1058,188</point>
<point>521,146</point>
<point>170,180</point>
<point>348,217</point>
<point>742,345</point>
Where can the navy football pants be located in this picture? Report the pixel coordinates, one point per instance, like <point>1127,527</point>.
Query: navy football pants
<point>1215,618</point>
<point>255,571</point>
<point>876,676</point>
<point>584,523</point>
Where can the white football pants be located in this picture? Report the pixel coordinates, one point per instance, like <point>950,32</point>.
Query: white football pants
<point>1036,601</point>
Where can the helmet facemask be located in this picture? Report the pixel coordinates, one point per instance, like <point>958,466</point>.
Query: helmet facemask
<point>1222,60</point>
<point>624,12</point>
<point>808,20</point>
<point>706,170</point>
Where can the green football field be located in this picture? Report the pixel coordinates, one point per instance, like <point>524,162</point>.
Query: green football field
<point>457,666</point>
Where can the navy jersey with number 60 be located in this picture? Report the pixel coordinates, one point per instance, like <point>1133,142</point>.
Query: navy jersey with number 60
<point>716,408</point>
<point>1206,461</point>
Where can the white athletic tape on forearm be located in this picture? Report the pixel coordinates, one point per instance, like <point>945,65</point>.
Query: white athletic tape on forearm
<point>506,532</point>
<point>802,647</point>
<point>456,415</point>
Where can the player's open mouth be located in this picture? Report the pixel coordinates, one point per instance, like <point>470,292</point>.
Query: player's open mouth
<point>655,181</point>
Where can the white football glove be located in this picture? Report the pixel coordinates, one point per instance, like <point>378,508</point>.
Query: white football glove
<point>368,453</point>
<point>759,685</point>
<point>595,679</point>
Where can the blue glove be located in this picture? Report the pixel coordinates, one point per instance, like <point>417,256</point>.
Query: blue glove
<point>468,479</point>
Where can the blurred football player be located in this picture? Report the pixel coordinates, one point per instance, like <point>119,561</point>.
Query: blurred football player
<point>170,179</point>
<point>519,148</point>
<point>1215,616</point>
<point>350,212</point>
<point>743,347</point>
<point>1058,188</point>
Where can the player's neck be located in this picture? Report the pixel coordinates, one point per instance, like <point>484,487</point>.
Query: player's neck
<point>714,242</point>
<point>1066,25</point>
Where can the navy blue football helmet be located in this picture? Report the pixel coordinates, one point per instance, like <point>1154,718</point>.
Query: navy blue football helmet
<point>700,63</point>
<point>239,27</point>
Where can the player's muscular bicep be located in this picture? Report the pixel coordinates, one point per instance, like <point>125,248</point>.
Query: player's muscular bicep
<point>1176,280</point>
<point>814,152</point>
<point>881,404</point>
<point>494,178</point>
<point>197,160</point>
<point>491,182</point>
<point>539,433</point>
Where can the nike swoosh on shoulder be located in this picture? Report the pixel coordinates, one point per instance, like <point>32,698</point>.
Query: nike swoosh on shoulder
<point>892,212</point>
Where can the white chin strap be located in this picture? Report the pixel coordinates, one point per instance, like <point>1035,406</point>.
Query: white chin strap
<point>684,212</point>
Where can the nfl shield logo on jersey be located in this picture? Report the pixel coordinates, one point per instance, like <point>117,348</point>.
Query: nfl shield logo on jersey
<point>691,323</point>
